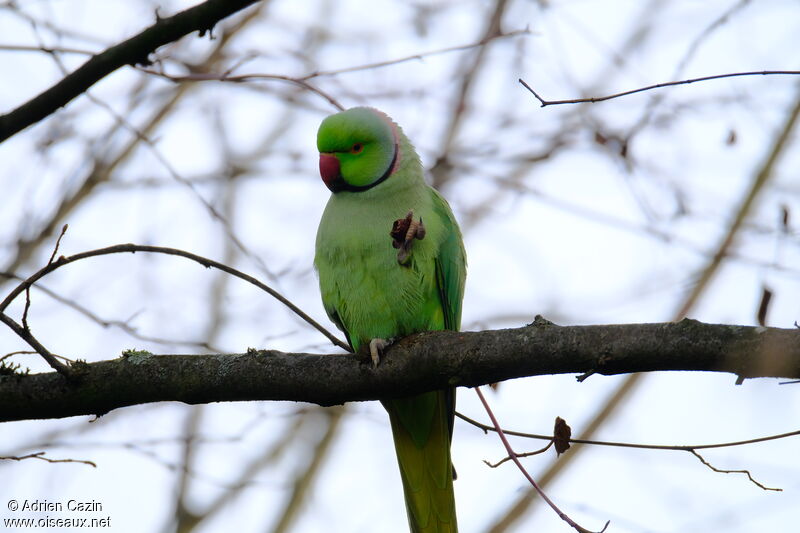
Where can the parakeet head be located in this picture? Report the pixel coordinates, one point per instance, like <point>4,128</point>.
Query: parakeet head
<point>358,149</point>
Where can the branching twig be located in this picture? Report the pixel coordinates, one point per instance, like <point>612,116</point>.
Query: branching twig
<point>123,325</point>
<point>302,81</point>
<point>133,248</point>
<point>26,335</point>
<point>721,471</point>
<point>525,473</point>
<point>102,168</point>
<point>28,289</point>
<point>624,390</point>
<point>684,448</point>
<point>596,99</point>
<point>40,456</point>
<point>133,51</point>
<point>246,77</point>
<point>520,455</point>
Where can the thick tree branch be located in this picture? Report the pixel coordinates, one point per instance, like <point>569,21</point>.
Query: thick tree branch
<point>133,51</point>
<point>417,363</point>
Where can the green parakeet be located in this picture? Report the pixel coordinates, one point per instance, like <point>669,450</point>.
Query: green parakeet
<point>391,262</point>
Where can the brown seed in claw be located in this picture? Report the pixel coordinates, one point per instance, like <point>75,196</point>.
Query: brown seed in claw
<point>404,231</point>
<point>400,229</point>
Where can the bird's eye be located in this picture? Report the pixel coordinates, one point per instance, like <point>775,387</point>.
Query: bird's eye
<point>357,148</point>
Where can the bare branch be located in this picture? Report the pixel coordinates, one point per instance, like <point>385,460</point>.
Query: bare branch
<point>680,447</point>
<point>133,248</point>
<point>514,457</point>
<point>41,456</point>
<point>45,49</point>
<point>103,167</point>
<point>195,77</point>
<point>135,50</point>
<point>302,81</point>
<point>25,334</point>
<point>58,243</point>
<point>595,99</point>
<point>418,363</point>
<point>519,455</point>
<point>123,325</point>
<point>628,386</point>
<point>722,471</point>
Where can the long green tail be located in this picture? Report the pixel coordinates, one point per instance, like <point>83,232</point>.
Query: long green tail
<point>422,429</point>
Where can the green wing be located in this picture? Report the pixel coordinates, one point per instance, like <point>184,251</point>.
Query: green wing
<point>451,273</point>
<point>451,266</point>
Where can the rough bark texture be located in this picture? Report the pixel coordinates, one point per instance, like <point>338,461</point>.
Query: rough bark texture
<point>417,363</point>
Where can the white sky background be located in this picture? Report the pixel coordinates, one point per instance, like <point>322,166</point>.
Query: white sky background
<point>581,245</point>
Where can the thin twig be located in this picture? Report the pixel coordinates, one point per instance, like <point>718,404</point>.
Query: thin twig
<point>124,325</point>
<point>18,352</point>
<point>420,56</point>
<point>26,335</point>
<point>28,289</point>
<point>302,81</point>
<point>46,49</point>
<point>525,473</point>
<point>520,455</point>
<point>26,309</point>
<point>684,448</point>
<point>195,77</point>
<point>680,447</point>
<point>101,168</point>
<point>58,242</point>
<point>40,456</point>
<point>721,471</point>
<point>24,331</point>
<point>596,99</point>
<point>630,383</point>
<point>133,248</point>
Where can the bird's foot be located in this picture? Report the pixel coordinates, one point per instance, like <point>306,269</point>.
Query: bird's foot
<point>404,231</point>
<point>376,348</point>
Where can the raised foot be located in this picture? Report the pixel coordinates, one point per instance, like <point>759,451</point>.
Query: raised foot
<point>376,347</point>
<point>404,231</point>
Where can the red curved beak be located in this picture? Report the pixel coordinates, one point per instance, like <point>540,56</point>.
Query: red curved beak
<point>329,169</point>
